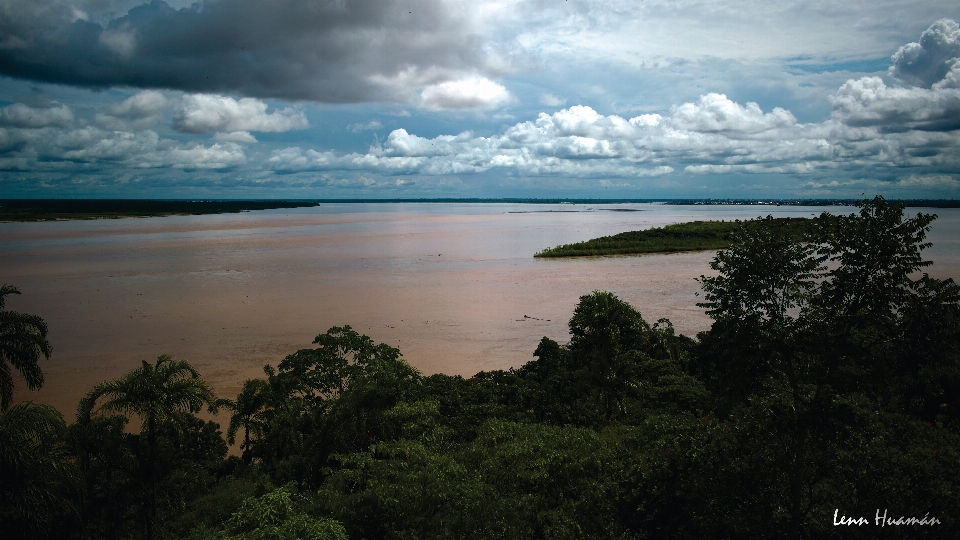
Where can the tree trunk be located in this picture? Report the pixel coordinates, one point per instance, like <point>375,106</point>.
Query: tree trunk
<point>152,457</point>
<point>246,442</point>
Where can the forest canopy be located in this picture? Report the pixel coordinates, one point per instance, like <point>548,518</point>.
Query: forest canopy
<point>827,388</point>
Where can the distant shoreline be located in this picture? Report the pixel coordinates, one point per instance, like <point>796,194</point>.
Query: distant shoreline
<point>25,210</point>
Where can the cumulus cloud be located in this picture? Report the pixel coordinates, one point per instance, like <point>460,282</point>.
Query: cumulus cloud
<point>140,105</point>
<point>716,113</point>
<point>469,93</point>
<point>885,127</point>
<point>139,111</point>
<point>930,101</point>
<point>577,141</point>
<point>928,61</point>
<point>329,51</point>
<point>205,113</point>
<point>294,159</point>
<point>81,149</point>
<point>950,80</point>
<point>869,102</point>
<point>872,126</point>
<point>235,136</point>
<point>22,116</point>
<point>53,139</point>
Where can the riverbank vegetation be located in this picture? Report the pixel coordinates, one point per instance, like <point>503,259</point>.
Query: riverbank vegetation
<point>61,209</point>
<point>691,236</point>
<point>827,387</point>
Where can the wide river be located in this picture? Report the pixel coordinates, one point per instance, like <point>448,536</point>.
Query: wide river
<point>454,286</point>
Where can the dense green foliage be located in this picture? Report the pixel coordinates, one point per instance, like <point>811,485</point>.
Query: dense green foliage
<point>692,236</point>
<point>38,479</point>
<point>828,383</point>
<point>52,209</point>
<point>164,396</point>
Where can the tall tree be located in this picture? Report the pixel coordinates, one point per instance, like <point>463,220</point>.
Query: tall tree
<point>817,342</point>
<point>159,393</point>
<point>330,399</point>
<point>247,411</point>
<point>606,337</point>
<point>23,338</point>
<point>38,477</point>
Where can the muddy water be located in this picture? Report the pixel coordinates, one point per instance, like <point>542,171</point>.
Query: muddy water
<point>455,287</point>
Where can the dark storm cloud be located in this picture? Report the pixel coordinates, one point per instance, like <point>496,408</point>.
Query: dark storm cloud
<point>323,50</point>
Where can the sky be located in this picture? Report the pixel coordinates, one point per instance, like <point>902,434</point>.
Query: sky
<point>447,99</point>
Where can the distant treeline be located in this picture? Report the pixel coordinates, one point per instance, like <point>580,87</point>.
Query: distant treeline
<point>693,236</point>
<point>59,209</point>
<point>917,203</point>
<point>53,209</point>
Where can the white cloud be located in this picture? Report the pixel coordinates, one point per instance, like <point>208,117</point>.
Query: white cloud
<point>90,148</point>
<point>206,113</point>
<point>708,169</point>
<point>951,79</point>
<point>139,111</point>
<point>120,40</point>
<point>873,127</point>
<point>711,136</point>
<point>235,136</point>
<point>930,181</point>
<point>215,156</point>
<point>294,159</point>
<point>551,100</point>
<point>869,102</point>
<point>656,171</point>
<point>608,184</point>
<point>913,185</point>
<point>145,150</point>
<point>715,113</point>
<point>906,127</point>
<point>470,93</point>
<point>140,105</point>
<point>926,62</point>
<point>660,32</point>
<point>22,116</point>
<point>369,126</point>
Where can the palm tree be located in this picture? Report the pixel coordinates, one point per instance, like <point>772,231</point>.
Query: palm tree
<point>38,476</point>
<point>23,338</point>
<point>246,409</point>
<point>159,394</point>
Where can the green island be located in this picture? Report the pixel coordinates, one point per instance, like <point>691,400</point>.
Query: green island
<point>65,209</point>
<point>823,402</point>
<point>691,236</point>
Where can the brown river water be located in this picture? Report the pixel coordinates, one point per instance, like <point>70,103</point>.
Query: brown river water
<point>454,286</point>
